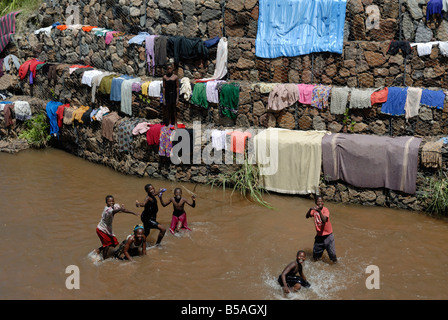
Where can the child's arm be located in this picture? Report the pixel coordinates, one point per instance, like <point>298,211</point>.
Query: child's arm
<point>123,209</point>
<point>144,246</point>
<point>193,204</point>
<point>288,268</point>
<point>141,204</point>
<point>163,202</point>
<point>126,248</point>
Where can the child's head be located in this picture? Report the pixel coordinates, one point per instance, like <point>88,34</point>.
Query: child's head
<point>301,256</point>
<point>110,201</point>
<point>178,192</point>
<point>139,232</point>
<point>169,68</point>
<point>319,200</point>
<point>149,189</point>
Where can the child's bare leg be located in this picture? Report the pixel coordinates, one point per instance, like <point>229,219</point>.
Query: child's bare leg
<point>161,234</point>
<point>179,225</point>
<point>296,287</point>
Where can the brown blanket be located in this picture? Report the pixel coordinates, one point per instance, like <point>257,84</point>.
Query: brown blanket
<point>371,161</point>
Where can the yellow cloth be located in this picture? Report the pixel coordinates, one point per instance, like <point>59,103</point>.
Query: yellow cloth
<point>77,114</point>
<point>145,86</point>
<point>289,160</point>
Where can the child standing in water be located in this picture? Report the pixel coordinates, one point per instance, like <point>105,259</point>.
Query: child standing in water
<point>179,219</point>
<point>149,214</point>
<point>104,228</point>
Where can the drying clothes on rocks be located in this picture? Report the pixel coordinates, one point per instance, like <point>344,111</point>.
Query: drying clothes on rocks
<point>22,110</point>
<point>219,141</point>
<point>433,98</point>
<point>361,98</point>
<point>96,82</point>
<point>211,42</point>
<point>153,134</point>
<point>432,154</point>
<point>7,114</point>
<point>165,143</point>
<point>106,83</point>
<point>126,95</point>
<point>433,7</point>
<point>88,28</point>
<point>305,93</point>
<point>150,56</point>
<point>88,76</point>
<point>339,98</point>
<point>155,88</point>
<point>107,125</point>
<point>86,116</point>
<point>221,59</point>
<point>283,96</point>
<point>370,161</point>
<point>145,86</point>
<point>29,65</point>
<point>320,96</point>
<point>100,32</point>
<point>75,67</point>
<point>229,97</point>
<point>238,141</point>
<point>51,109</point>
<point>379,96</point>
<point>60,114</point>
<point>102,111</point>
<point>124,134</point>
<point>182,48</point>
<point>115,89</point>
<point>294,165</point>
<point>396,101</point>
<point>11,58</point>
<point>395,46</point>
<point>111,35</point>
<point>160,49</point>
<point>7,28</point>
<point>412,105</point>
<point>199,95</point>
<point>46,30</point>
<point>136,86</point>
<point>185,89</point>
<point>139,38</point>
<point>443,46</point>
<point>68,115</point>
<point>77,113</point>
<point>212,90</point>
<point>141,128</point>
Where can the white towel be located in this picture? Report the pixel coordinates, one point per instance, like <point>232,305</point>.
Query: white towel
<point>154,88</point>
<point>22,110</point>
<point>412,102</point>
<point>339,97</point>
<point>424,49</point>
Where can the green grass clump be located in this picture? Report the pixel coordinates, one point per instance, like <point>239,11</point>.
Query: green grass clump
<point>436,194</point>
<point>37,131</point>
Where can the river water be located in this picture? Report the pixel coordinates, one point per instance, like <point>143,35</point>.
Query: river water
<point>51,203</point>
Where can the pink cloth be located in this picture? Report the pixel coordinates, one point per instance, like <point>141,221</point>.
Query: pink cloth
<point>175,220</point>
<point>141,128</point>
<point>305,93</point>
<point>110,36</point>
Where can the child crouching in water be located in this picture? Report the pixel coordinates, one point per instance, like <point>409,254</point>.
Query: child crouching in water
<point>134,245</point>
<point>179,218</point>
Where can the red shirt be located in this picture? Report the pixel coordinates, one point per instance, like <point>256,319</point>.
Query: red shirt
<point>322,229</point>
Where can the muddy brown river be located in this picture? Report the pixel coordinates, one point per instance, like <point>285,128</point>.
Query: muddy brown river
<point>51,203</point>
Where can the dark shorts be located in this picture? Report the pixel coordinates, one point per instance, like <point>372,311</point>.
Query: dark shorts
<point>291,281</point>
<point>322,243</point>
<point>150,224</point>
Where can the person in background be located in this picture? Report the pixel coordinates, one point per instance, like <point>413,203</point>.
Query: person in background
<point>324,239</point>
<point>170,84</point>
<point>179,218</point>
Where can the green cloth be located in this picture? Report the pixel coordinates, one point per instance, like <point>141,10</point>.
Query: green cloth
<point>229,97</point>
<point>106,83</point>
<point>199,95</point>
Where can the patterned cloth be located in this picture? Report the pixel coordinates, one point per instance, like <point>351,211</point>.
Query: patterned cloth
<point>229,96</point>
<point>7,28</point>
<point>124,134</point>
<point>165,143</point>
<point>320,96</point>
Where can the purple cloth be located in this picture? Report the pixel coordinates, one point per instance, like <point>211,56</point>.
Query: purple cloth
<point>149,45</point>
<point>136,87</point>
<point>433,7</point>
<point>369,161</point>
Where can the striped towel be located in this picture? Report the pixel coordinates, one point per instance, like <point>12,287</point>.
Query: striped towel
<point>7,28</point>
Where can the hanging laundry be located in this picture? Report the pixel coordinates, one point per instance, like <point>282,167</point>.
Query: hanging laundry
<point>138,39</point>
<point>433,7</point>
<point>88,28</point>
<point>153,134</point>
<point>320,96</point>
<point>107,125</point>
<point>68,115</point>
<point>339,98</point>
<point>229,97</point>
<point>15,61</point>
<point>392,162</point>
<point>77,113</point>
<point>88,76</point>
<point>150,57</point>
<point>212,90</point>
<point>296,166</point>
<point>379,96</point>
<point>7,114</point>
<point>51,109</point>
<point>145,86</point>
<point>46,30</point>
<point>361,98</point>
<point>211,42</point>
<point>395,46</point>
<point>431,156</point>
<point>141,128</point>
<point>412,105</point>
<point>124,134</point>
<point>60,114</point>
<point>160,50</point>
<point>126,95</point>
<point>102,111</point>
<point>305,93</point>
<point>443,46</point>
<point>86,116</point>
<point>7,28</point>
<point>22,110</point>
<point>238,141</point>
<point>185,88</point>
<point>199,95</point>
<point>433,98</point>
<point>396,101</point>
<point>299,27</point>
<point>106,83</point>
<point>136,86</point>
<point>283,96</point>
<point>182,48</point>
<point>155,88</point>
<point>219,141</point>
<point>165,143</point>
<point>96,81</point>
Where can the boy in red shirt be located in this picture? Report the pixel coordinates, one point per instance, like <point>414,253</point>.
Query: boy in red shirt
<point>324,239</point>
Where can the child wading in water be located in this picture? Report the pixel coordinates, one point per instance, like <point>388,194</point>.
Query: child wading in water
<point>179,219</point>
<point>289,280</point>
<point>134,245</point>
<point>104,228</point>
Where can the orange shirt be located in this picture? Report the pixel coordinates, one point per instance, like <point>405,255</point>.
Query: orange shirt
<point>61,27</point>
<point>238,141</point>
<point>88,28</point>
<point>379,96</point>
<point>322,229</point>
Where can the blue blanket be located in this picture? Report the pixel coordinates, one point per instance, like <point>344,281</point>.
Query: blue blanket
<point>296,27</point>
<point>433,98</point>
<point>51,109</point>
<point>396,100</point>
